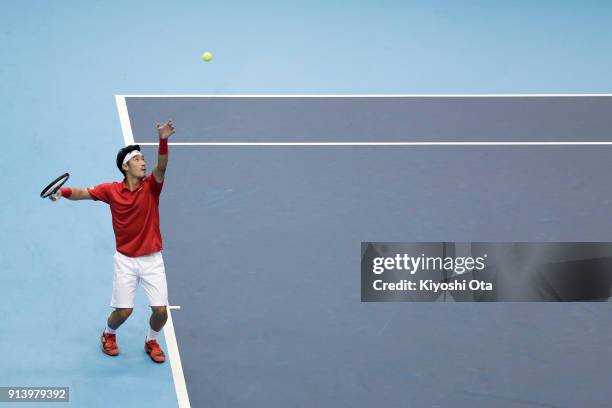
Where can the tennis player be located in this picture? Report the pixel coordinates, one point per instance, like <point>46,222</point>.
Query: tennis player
<point>134,205</point>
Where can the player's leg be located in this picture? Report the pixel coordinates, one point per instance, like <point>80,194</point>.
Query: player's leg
<point>125,281</point>
<point>118,316</point>
<point>153,279</point>
<point>159,317</point>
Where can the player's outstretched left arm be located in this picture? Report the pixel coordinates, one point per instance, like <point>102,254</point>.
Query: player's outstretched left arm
<point>164,131</point>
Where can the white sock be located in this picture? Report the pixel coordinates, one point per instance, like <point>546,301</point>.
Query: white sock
<point>152,335</point>
<point>109,330</point>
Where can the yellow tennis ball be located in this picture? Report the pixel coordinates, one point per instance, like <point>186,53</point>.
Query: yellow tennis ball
<point>207,56</point>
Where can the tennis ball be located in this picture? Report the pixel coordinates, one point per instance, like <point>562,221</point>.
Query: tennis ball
<point>207,56</point>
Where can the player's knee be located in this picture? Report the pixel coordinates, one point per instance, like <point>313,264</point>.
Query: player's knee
<point>124,313</point>
<point>160,311</point>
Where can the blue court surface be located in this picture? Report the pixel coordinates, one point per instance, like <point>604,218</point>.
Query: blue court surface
<point>491,124</point>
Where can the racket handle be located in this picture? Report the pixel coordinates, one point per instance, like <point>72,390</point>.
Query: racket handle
<point>55,196</point>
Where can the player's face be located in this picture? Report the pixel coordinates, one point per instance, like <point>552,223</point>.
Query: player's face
<point>137,166</point>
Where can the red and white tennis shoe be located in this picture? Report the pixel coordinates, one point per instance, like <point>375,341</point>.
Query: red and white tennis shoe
<point>154,351</point>
<point>109,344</point>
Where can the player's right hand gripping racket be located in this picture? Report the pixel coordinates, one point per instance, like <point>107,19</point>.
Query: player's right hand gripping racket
<point>52,190</point>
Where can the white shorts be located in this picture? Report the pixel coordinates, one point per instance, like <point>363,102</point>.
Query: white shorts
<point>148,270</point>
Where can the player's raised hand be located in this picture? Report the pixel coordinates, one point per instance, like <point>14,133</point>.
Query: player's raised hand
<point>165,130</point>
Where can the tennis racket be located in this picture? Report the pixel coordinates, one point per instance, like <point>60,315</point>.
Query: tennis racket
<point>54,186</point>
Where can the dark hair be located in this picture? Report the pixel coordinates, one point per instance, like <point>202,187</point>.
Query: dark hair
<point>124,152</point>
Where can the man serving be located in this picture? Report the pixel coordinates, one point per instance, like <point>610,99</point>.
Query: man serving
<point>134,204</point>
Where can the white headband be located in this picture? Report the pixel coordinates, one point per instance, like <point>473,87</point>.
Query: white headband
<point>130,155</point>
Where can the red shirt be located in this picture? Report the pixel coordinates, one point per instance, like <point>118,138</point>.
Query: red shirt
<point>135,214</point>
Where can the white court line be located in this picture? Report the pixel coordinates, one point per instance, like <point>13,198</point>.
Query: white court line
<point>493,95</point>
<point>175,364</point>
<point>381,143</point>
<point>173,352</point>
<point>124,119</point>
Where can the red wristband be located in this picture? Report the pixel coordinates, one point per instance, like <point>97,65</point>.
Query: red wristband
<point>66,192</point>
<point>163,147</point>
